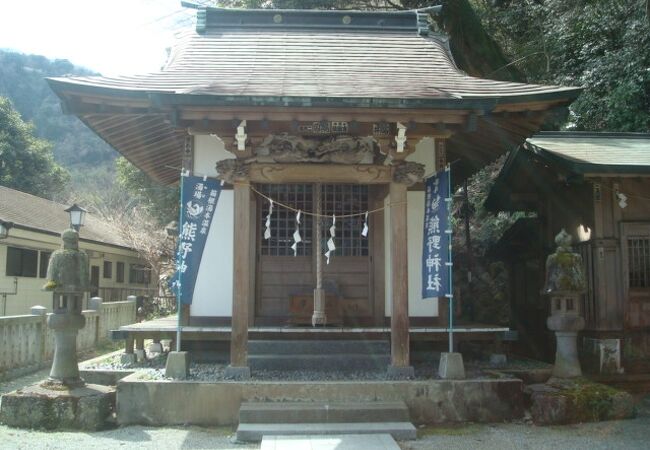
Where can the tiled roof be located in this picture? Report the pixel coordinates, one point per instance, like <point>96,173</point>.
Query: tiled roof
<point>604,149</point>
<point>238,61</point>
<point>314,64</point>
<point>37,213</point>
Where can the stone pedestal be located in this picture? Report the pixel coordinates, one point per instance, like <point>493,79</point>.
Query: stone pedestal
<point>319,317</point>
<point>155,347</point>
<point>178,365</point>
<point>566,355</point>
<point>451,366</point>
<point>566,327</point>
<point>65,368</point>
<point>87,408</point>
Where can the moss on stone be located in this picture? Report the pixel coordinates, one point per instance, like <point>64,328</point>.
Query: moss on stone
<point>591,401</point>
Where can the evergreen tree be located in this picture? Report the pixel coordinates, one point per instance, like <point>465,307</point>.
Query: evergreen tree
<point>26,162</point>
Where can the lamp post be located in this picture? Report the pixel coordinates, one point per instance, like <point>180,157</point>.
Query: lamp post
<point>77,216</point>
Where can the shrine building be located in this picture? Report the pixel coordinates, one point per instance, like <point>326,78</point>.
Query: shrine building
<point>335,112</point>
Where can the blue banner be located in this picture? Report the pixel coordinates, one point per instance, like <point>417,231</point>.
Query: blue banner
<point>199,199</point>
<point>436,252</point>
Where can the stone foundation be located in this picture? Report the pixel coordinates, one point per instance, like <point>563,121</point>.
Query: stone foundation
<point>561,402</point>
<point>158,403</point>
<point>88,408</point>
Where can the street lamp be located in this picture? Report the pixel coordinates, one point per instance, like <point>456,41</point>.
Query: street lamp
<point>77,216</point>
<point>4,229</point>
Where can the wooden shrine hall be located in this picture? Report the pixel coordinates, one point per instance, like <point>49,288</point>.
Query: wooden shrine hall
<point>333,113</point>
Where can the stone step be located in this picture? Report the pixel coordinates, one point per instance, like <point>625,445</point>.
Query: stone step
<point>254,432</point>
<point>321,363</point>
<point>321,412</point>
<point>316,347</point>
<point>330,442</point>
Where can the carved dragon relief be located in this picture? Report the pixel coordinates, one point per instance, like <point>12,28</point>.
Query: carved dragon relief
<point>345,150</point>
<point>285,148</point>
<point>408,172</point>
<point>231,170</point>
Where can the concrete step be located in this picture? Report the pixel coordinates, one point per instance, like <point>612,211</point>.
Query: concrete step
<point>317,347</point>
<point>254,432</point>
<point>331,442</point>
<point>322,362</point>
<point>319,412</point>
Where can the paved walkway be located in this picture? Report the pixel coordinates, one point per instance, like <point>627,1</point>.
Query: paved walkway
<point>628,434</point>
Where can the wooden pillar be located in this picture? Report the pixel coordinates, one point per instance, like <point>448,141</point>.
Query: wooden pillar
<point>241,286</point>
<point>399,323</point>
<point>128,348</point>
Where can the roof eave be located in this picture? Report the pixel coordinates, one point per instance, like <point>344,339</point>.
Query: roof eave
<point>81,239</point>
<point>159,98</point>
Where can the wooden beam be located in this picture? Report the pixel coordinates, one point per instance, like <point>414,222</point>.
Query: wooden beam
<point>320,173</point>
<point>264,128</point>
<point>430,116</point>
<point>399,323</point>
<point>242,272</point>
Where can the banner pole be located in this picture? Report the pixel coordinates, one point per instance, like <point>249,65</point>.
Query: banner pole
<point>178,272</point>
<point>450,265</point>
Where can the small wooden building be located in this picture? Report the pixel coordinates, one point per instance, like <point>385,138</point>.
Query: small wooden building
<point>597,187</point>
<point>354,105</point>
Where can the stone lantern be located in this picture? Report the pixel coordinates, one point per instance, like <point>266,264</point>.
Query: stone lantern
<point>67,278</point>
<point>565,285</point>
<point>63,400</point>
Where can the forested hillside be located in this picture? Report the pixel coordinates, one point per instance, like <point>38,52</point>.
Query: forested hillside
<point>22,81</point>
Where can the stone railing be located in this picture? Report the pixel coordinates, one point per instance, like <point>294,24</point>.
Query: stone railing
<point>27,344</point>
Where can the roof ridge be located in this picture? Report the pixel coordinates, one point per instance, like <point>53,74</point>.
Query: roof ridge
<point>209,17</point>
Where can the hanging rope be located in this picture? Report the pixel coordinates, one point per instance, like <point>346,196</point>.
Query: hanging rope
<point>326,216</point>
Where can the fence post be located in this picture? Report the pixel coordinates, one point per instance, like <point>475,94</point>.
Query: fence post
<point>95,303</point>
<point>38,310</point>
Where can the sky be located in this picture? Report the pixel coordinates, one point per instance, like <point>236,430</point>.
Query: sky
<point>108,36</point>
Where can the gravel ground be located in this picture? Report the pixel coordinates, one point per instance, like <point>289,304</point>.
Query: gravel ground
<point>624,434</point>
<point>215,372</point>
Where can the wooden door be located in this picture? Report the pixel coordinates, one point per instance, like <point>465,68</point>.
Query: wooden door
<point>282,276</point>
<point>635,246</point>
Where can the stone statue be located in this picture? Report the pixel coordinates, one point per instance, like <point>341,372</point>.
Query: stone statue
<point>67,278</point>
<point>565,284</point>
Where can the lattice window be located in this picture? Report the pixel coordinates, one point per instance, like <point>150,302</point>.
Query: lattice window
<point>342,199</point>
<point>638,249</point>
<point>283,221</point>
<point>337,199</point>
